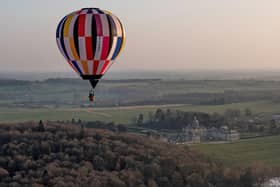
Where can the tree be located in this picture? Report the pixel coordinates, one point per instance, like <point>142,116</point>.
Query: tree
<point>116,182</point>
<point>232,113</point>
<point>163,182</point>
<point>122,128</point>
<point>3,173</point>
<point>140,119</point>
<point>82,132</point>
<point>35,152</point>
<point>259,172</point>
<point>272,126</point>
<point>159,115</point>
<point>248,112</point>
<point>152,183</point>
<point>151,171</point>
<point>98,163</point>
<point>168,113</point>
<point>246,179</point>
<point>196,180</point>
<point>177,180</point>
<point>41,127</point>
<point>98,137</point>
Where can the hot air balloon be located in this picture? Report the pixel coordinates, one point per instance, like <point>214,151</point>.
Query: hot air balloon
<point>90,40</point>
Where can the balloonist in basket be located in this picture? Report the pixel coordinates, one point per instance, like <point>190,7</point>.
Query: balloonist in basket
<point>90,40</point>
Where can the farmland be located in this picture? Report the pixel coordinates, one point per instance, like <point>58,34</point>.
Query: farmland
<point>61,93</point>
<point>124,115</point>
<point>245,152</point>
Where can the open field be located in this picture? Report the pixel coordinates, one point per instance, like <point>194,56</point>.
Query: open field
<point>122,100</point>
<point>245,152</point>
<point>73,92</point>
<point>124,115</point>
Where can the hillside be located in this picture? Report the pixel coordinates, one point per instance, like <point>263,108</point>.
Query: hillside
<point>66,155</point>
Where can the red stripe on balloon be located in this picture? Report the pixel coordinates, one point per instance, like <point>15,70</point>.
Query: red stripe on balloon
<point>81,25</point>
<point>98,25</point>
<point>95,67</point>
<point>105,67</point>
<point>89,48</point>
<point>105,47</point>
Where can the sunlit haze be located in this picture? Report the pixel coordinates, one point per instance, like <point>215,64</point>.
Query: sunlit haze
<point>161,34</point>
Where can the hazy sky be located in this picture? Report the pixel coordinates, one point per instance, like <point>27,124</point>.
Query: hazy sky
<point>161,34</point>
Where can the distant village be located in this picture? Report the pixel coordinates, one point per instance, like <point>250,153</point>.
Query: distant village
<point>195,134</point>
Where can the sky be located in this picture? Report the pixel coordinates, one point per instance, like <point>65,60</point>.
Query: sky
<point>177,35</point>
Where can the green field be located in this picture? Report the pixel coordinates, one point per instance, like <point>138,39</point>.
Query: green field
<point>125,115</point>
<point>122,115</point>
<point>245,152</point>
<point>73,92</point>
<point>61,99</point>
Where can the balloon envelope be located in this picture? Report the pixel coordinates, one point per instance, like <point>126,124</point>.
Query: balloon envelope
<point>90,40</point>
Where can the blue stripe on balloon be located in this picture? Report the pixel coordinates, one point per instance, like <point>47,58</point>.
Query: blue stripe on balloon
<point>77,67</point>
<point>118,47</point>
<point>61,38</point>
<point>58,27</point>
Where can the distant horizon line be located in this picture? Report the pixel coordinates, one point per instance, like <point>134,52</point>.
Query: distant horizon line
<point>157,71</point>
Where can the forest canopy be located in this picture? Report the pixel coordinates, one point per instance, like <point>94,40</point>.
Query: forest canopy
<point>68,155</point>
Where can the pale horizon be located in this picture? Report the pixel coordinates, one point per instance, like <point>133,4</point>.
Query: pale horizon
<point>193,35</point>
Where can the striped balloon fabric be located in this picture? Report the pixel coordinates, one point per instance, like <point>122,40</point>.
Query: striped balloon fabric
<point>90,40</point>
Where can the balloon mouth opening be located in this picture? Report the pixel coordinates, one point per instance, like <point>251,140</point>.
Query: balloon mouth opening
<point>91,77</point>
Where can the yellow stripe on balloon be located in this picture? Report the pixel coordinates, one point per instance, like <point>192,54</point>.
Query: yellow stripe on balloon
<point>85,67</point>
<point>67,25</point>
<point>73,49</point>
<point>107,12</point>
<point>123,37</point>
<point>123,42</point>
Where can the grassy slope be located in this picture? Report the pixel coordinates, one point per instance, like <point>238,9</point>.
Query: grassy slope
<point>245,152</point>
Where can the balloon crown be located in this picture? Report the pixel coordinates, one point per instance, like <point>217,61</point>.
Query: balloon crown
<point>90,8</point>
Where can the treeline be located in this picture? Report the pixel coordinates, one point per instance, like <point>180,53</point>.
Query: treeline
<point>177,120</point>
<point>68,155</point>
<point>111,126</point>
<point>8,82</point>
<point>241,120</point>
<point>207,98</point>
<point>107,126</point>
